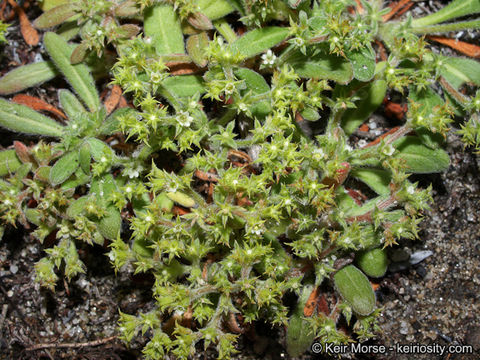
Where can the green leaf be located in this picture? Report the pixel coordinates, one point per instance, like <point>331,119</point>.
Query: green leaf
<point>300,333</point>
<point>257,85</point>
<point>84,157</point>
<point>9,162</point>
<point>355,289</point>
<point>215,9</point>
<point>196,45</point>
<point>34,216</point>
<point>378,180</point>
<point>458,71</point>
<point>70,104</point>
<point>453,10</point>
<point>321,66</point>
<point>26,76</point>
<point>428,100</point>
<point>111,124</point>
<point>184,86</point>
<point>21,118</point>
<point>64,168</point>
<point>373,262</point>
<point>77,75</point>
<point>163,26</point>
<point>98,148</point>
<point>257,41</point>
<point>56,16</point>
<point>420,158</point>
<point>363,63</point>
<point>371,97</point>
<point>76,207</point>
<point>110,224</point>
<point>182,199</point>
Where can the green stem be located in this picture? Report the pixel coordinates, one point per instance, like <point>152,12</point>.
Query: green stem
<point>457,26</point>
<point>284,56</point>
<point>224,28</point>
<point>453,10</point>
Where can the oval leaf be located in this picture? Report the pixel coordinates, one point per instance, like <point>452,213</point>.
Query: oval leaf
<point>184,86</point>
<point>163,26</point>
<point>21,118</point>
<point>77,75</point>
<point>9,162</point>
<point>70,104</point>
<point>257,41</point>
<point>196,45</point>
<point>355,289</point>
<point>64,168</point>
<point>56,16</point>
<point>363,63</point>
<point>321,66</point>
<point>26,76</point>
<point>110,224</point>
<point>300,334</point>
<point>378,180</point>
<point>419,158</point>
<point>458,71</point>
<point>215,9</point>
<point>373,262</point>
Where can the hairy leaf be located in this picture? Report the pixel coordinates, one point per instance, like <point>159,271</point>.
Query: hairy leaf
<point>184,86</point>
<point>373,262</point>
<point>21,118</point>
<point>56,15</point>
<point>70,104</point>
<point>163,26</point>
<point>378,180</point>
<point>64,168</point>
<point>419,158</point>
<point>300,334</point>
<point>355,289</point>
<point>257,41</point>
<point>77,75</point>
<point>321,66</point>
<point>26,76</point>
<point>9,162</point>
<point>215,9</point>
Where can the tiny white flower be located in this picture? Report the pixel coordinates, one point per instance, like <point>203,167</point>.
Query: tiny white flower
<point>74,126</point>
<point>128,190</point>
<point>411,190</point>
<point>249,252</point>
<point>103,159</point>
<point>269,58</point>
<point>235,182</point>
<point>391,71</point>
<point>99,32</point>
<point>148,218</point>
<point>389,150</point>
<point>7,202</point>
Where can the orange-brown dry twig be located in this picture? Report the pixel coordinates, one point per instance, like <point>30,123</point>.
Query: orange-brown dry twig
<point>37,104</point>
<point>29,33</point>
<point>395,9</point>
<point>113,99</point>
<point>460,46</point>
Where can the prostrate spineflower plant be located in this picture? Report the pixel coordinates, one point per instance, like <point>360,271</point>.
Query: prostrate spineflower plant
<point>239,178</point>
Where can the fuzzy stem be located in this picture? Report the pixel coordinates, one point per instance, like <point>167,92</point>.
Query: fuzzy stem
<point>444,28</point>
<point>224,28</point>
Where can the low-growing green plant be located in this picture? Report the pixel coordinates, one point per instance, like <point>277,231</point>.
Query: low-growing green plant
<point>239,181</point>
